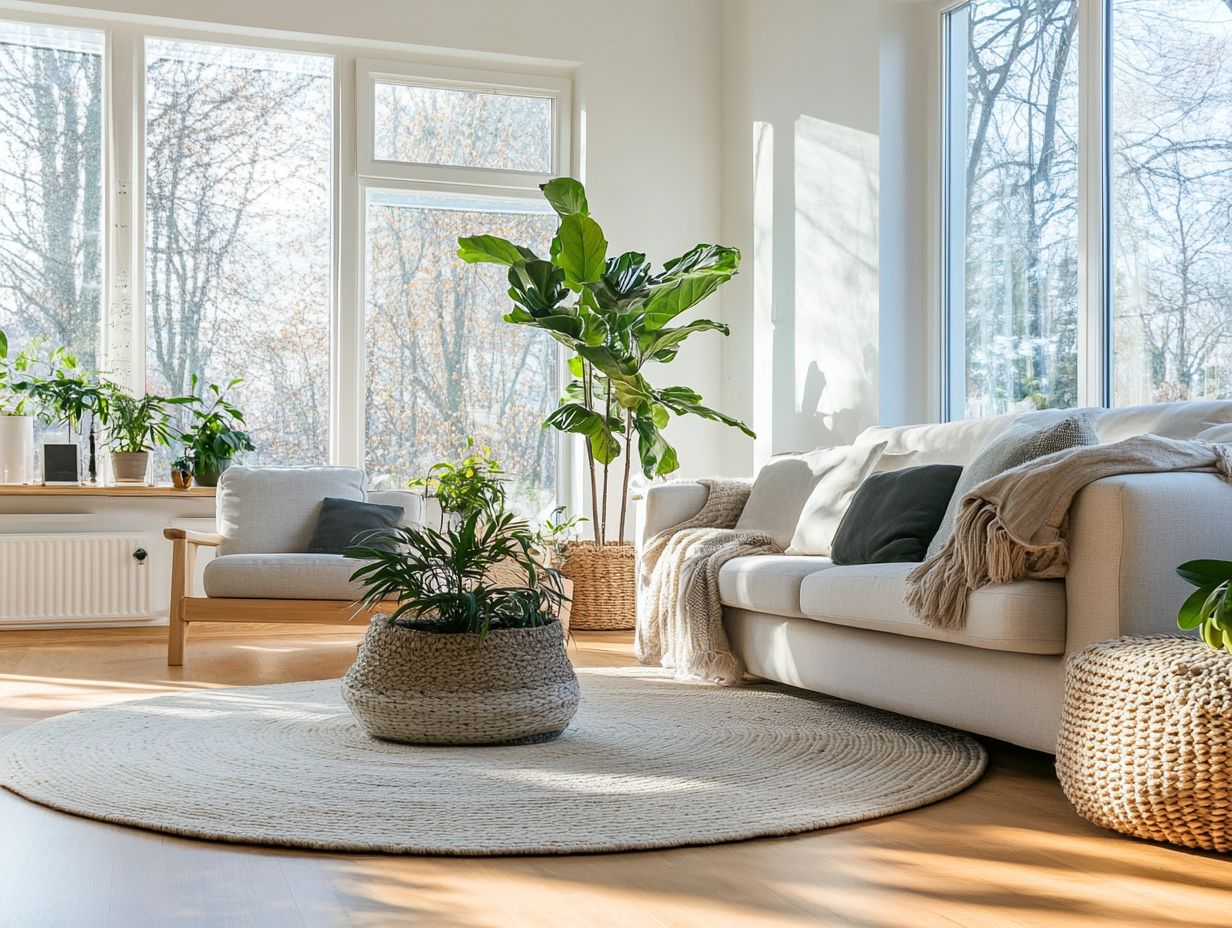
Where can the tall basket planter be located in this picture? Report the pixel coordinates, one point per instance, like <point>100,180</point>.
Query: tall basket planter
<point>1146,737</point>
<point>604,585</point>
<point>515,686</point>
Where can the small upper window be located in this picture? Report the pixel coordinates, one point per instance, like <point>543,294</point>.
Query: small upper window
<point>426,124</point>
<point>462,128</point>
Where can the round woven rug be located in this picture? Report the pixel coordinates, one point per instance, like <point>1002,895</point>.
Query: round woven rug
<point>647,763</point>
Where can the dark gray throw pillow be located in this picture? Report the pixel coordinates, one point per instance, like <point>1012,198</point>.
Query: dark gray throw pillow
<point>350,523</point>
<point>1017,444</point>
<point>894,515</point>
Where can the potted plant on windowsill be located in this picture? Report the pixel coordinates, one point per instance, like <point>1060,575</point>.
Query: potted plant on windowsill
<point>68,395</point>
<point>472,651</point>
<point>614,316</point>
<point>182,472</point>
<point>134,426</point>
<point>215,436</point>
<point>16,422</point>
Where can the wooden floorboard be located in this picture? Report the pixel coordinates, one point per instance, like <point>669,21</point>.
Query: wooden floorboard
<point>1009,851</point>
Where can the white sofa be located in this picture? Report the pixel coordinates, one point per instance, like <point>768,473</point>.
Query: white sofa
<point>846,631</point>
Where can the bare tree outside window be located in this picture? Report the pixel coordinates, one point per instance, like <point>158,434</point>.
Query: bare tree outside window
<point>51,186</point>
<point>238,250</point>
<point>1172,200</point>
<point>442,365</point>
<point>1017,184</point>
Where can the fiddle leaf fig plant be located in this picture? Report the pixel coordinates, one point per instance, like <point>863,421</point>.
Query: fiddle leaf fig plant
<point>615,315</point>
<point>1208,608</point>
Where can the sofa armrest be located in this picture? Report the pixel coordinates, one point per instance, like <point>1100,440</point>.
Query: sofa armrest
<point>1127,536</point>
<point>668,504</point>
<point>200,539</point>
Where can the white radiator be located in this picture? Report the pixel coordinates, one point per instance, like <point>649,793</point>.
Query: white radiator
<point>73,578</point>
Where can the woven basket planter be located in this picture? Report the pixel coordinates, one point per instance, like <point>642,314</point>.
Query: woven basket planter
<point>604,585</point>
<point>516,686</point>
<point>1145,746</point>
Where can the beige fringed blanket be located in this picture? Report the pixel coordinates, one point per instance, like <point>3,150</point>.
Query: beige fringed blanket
<point>679,615</point>
<point>1013,526</point>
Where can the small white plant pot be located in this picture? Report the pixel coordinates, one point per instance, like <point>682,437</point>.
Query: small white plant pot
<point>130,467</point>
<point>16,450</point>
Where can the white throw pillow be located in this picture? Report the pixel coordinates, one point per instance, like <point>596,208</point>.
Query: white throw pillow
<point>846,469</point>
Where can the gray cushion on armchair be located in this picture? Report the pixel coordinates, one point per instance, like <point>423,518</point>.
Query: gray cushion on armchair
<point>273,510</point>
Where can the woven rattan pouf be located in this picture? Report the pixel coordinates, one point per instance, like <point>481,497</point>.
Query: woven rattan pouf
<point>1145,745</point>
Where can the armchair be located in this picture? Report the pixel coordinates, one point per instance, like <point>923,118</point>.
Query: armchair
<point>266,518</point>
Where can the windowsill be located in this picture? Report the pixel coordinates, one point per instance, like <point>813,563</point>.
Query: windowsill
<point>132,491</point>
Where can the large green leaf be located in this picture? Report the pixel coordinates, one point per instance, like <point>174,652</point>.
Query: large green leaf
<point>626,273</point>
<point>657,456</point>
<point>1205,572</point>
<point>4,344</point>
<point>566,195</point>
<point>580,250</point>
<point>576,418</point>
<point>686,402</point>
<point>492,249</point>
<point>568,330</point>
<point>667,301</point>
<point>607,361</point>
<point>662,344</point>
<point>701,260</point>
<point>1192,613</point>
<point>537,286</point>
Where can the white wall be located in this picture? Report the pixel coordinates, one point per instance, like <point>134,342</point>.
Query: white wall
<point>824,174</point>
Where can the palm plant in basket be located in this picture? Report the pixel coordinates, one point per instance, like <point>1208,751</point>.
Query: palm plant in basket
<point>471,650</point>
<point>615,315</point>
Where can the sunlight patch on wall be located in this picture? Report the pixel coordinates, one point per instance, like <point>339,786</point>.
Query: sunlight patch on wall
<point>836,282</point>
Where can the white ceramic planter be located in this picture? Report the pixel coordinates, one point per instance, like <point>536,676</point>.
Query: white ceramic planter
<point>16,449</point>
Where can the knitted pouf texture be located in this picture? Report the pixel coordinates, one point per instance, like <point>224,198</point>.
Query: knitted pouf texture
<point>423,687</point>
<point>1145,745</point>
<point>647,762</point>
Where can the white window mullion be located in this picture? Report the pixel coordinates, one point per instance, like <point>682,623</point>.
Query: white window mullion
<point>346,414</point>
<point>1093,193</point>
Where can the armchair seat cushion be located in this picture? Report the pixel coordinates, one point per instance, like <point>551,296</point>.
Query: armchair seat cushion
<point>282,576</point>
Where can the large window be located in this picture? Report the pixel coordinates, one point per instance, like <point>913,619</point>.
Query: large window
<point>1115,289</point>
<point>1013,191</point>
<point>179,205</point>
<point>238,191</point>
<point>441,366</point>
<point>1172,200</point>
<point>51,186</point>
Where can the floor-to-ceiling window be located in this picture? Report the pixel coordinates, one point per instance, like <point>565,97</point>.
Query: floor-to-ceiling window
<point>1088,203</point>
<point>181,208</point>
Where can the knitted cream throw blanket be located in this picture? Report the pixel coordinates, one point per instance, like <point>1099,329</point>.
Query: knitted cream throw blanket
<point>679,615</point>
<point>1014,525</point>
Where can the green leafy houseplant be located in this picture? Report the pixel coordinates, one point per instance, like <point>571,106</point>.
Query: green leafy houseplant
<point>139,423</point>
<point>216,435</point>
<point>1208,608</point>
<point>474,484</point>
<point>15,400</point>
<point>615,316</point>
<point>471,577</point>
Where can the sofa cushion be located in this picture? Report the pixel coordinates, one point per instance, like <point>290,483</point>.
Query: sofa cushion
<point>282,576</point>
<point>831,495</point>
<point>350,523</point>
<point>273,510</point>
<point>1022,441</point>
<point>768,582</point>
<point>1171,420</point>
<point>895,515</point>
<point>1027,616</point>
<point>786,482</point>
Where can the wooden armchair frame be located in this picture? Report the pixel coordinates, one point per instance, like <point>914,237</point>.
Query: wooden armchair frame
<point>185,609</point>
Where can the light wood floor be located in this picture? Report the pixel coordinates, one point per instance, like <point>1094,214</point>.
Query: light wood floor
<point>1009,851</point>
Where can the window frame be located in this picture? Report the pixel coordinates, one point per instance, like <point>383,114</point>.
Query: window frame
<point>1094,231</point>
<point>377,175</point>
<point>370,72</point>
<point>122,328</point>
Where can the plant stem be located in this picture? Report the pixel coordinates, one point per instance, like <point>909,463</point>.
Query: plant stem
<point>590,453</point>
<point>607,414</point>
<point>624,491</point>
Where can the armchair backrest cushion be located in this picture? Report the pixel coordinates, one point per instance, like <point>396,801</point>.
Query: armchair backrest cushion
<point>411,502</point>
<point>274,510</point>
